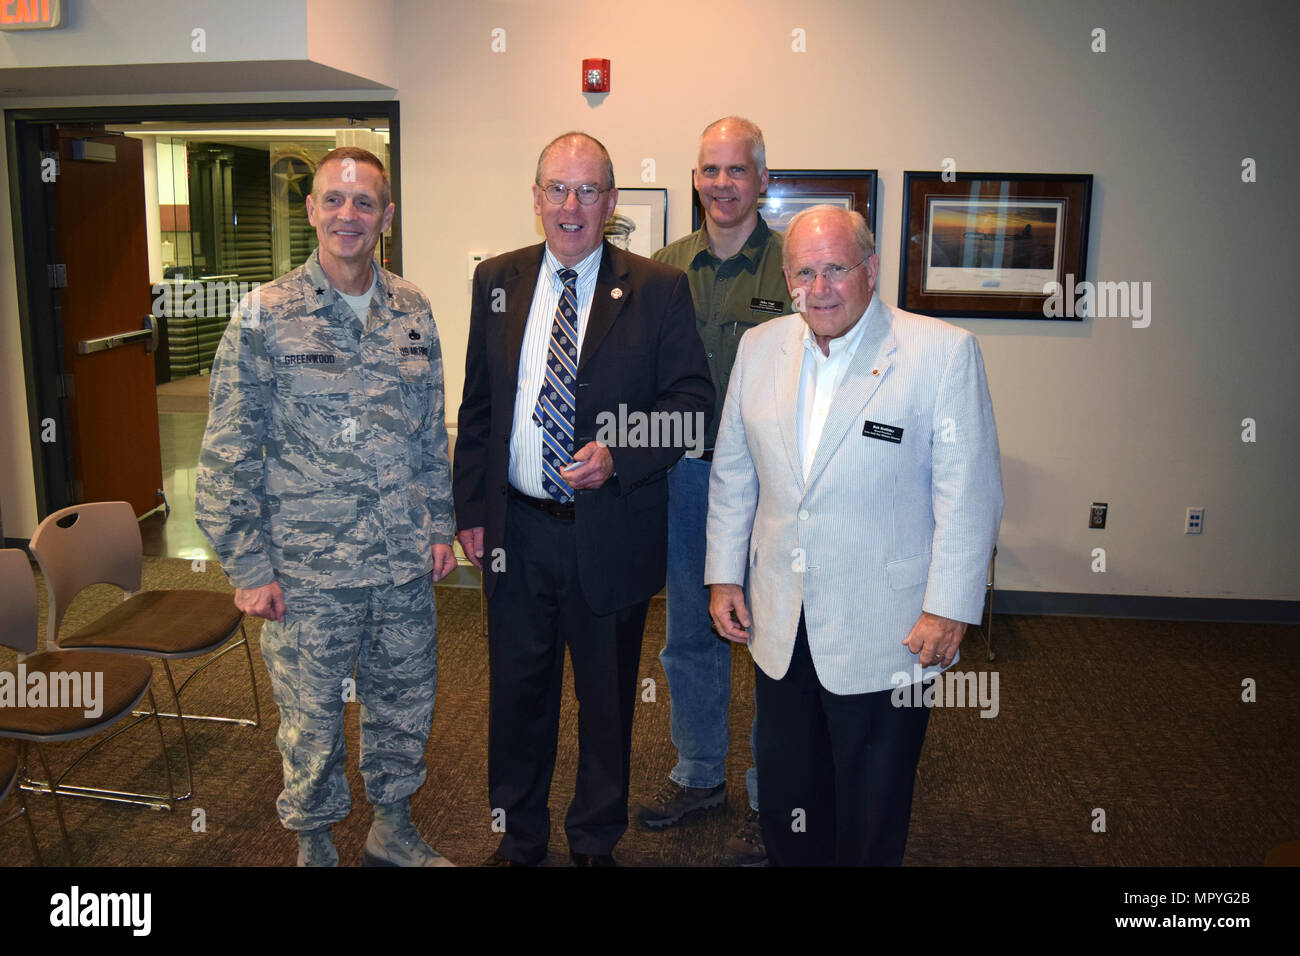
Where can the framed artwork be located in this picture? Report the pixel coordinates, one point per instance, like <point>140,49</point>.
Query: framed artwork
<point>640,221</point>
<point>990,245</point>
<point>790,190</point>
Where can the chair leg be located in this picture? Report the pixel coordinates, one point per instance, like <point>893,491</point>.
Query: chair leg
<point>252,678</point>
<point>216,719</point>
<point>58,808</point>
<point>31,830</point>
<point>185,736</point>
<point>22,802</point>
<point>162,745</point>
<point>482,610</point>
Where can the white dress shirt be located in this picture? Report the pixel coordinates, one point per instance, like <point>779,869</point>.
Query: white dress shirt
<point>526,435</point>
<point>819,377</point>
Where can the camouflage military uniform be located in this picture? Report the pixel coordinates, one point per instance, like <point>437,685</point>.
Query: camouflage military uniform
<point>324,467</point>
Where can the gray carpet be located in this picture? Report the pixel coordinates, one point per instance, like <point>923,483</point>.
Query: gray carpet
<point>1142,720</point>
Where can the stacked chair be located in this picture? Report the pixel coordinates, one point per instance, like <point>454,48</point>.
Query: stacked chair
<point>126,683</point>
<point>99,543</point>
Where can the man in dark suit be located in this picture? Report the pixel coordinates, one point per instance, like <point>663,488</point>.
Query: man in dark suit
<point>570,532</point>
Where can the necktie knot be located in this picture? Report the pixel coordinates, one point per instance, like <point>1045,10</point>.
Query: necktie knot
<point>568,276</point>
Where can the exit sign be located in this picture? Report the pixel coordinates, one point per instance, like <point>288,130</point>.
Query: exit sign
<point>30,14</point>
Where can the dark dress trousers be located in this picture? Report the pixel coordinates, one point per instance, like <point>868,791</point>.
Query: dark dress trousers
<point>583,582</point>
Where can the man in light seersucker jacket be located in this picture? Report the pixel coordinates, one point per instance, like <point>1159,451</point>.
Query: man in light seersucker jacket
<point>854,503</point>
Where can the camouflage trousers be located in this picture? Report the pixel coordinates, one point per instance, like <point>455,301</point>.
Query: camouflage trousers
<point>375,645</point>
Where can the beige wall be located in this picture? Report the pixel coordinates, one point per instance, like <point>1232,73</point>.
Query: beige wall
<point>1145,419</point>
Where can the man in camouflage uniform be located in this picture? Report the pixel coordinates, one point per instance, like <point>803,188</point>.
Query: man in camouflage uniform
<point>324,487</point>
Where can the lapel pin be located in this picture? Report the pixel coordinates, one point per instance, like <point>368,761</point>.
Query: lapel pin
<point>875,371</point>
<point>616,293</point>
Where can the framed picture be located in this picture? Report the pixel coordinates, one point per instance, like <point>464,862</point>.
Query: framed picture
<point>790,190</point>
<point>990,245</point>
<point>640,221</point>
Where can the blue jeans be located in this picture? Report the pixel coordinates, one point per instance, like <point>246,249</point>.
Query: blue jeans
<point>696,661</point>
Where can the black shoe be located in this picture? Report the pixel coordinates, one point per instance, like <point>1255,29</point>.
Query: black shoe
<point>500,859</point>
<point>591,859</point>
<point>673,801</point>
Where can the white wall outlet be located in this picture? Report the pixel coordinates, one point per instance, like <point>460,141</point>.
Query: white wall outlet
<point>1195,518</point>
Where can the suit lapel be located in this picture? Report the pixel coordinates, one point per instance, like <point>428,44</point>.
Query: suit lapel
<point>786,380</point>
<point>612,293</point>
<point>867,369</point>
<point>518,287</point>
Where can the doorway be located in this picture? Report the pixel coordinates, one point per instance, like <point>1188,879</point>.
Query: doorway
<point>131,258</point>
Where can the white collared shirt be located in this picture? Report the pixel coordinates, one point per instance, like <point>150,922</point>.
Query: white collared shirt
<point>819,378</point>
<point>526,435</point>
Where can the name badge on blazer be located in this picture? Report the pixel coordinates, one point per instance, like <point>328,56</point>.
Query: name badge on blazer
<point>883,432</point>
<point>770,306</point>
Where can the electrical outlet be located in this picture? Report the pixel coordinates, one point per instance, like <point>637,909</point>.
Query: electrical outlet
<point>1097,514</point>
<point>1195,518</point>
<point>474,259</point>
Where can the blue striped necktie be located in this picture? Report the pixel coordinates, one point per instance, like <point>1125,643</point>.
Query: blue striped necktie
<point>554,411</point>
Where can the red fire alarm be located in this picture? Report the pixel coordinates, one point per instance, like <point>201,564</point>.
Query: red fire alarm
<point>595,76</point>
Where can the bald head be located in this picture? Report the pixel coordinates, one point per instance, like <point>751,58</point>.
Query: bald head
<point>739,128</point>
<point>571,141</point>
<point>823,218</point>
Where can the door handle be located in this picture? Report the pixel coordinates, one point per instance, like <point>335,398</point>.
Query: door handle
<point>148,333</point>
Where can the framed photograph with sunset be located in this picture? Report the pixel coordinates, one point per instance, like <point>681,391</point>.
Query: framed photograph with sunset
<point>991,245</point>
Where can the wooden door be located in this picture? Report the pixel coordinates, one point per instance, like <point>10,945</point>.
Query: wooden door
<point>98,208</point>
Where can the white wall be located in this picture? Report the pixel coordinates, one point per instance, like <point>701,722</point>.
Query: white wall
<point>1145,419</point>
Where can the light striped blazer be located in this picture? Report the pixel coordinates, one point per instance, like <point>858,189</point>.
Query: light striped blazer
<point>881,530</point>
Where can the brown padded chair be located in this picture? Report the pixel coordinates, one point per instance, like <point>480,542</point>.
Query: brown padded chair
<point>126,683</point>
<point>100,543</point>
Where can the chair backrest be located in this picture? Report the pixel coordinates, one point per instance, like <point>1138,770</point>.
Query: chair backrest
<point>17,602</point>
<point>100,545</point>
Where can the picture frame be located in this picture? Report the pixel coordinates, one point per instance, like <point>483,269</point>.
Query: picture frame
<point>789,190</point>
<point>985,245</point>
<point>640,221</point>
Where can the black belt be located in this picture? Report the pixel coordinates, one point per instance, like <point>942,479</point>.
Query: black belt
<point>547,506</point>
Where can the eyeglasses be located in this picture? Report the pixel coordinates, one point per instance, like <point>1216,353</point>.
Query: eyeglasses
<point>558,193</point>
<point>832,273</point>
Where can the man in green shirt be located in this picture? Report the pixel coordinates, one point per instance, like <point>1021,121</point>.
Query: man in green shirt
<point>733,263</point>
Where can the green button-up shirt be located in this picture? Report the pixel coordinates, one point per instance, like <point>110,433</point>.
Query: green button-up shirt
<point>730,297</point>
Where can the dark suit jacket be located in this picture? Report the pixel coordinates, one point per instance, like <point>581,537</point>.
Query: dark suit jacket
<point>641,350</point>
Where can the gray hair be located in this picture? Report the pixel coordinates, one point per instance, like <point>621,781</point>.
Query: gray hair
<point>861,234</point>
<point>757,150</point>
<point>576,134</point>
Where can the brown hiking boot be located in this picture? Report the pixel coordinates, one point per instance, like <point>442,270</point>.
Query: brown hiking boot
<point>673,801</point>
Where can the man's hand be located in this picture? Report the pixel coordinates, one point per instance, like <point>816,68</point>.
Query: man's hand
<point>724,601</point>
<point>444,561</point>
<point>595,465</point>
<point>266,601</point>
<point>471,542</point>
<point>935,639</point>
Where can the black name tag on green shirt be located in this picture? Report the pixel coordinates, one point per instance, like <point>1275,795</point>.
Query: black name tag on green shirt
<point>883,432</point>
<point>772,306</point>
